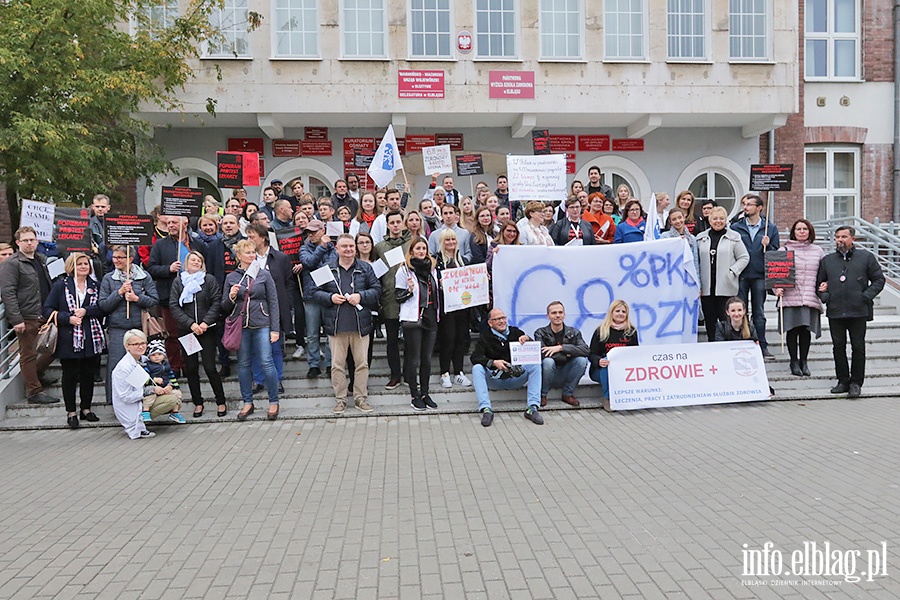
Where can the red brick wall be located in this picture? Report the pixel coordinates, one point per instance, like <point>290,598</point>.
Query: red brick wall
<point>834,134</point>
<point>876,164</point>
<point>878,42</point>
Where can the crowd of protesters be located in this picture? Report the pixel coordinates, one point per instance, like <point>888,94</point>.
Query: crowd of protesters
<point>222,278</point>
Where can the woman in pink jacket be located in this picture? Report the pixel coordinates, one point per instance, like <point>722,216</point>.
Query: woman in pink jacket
<point>802,307</point>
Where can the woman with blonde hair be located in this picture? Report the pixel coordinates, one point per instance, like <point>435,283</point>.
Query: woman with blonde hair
<point>623,195</point>
<point>415,225</point>
<point>615,331</point>
<point>467,214</point>
<point>723,257</point>
<point>453,327</point>
<point>685,201</point>
<point>532,231</point>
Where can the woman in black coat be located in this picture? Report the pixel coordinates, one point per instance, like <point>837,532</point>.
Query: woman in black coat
<point>196,305</point>
<point>81,340</point>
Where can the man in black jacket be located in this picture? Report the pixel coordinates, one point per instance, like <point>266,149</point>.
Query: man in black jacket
<point>564,355</point>
<point>492,368</point>
<point>848,281</point>
<point>572,227</point>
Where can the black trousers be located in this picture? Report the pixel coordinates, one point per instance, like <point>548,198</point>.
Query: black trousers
<point>208,343</point>
<point>392,327</point>
<point>856,327</point>
<point>453,337</point>
<point>418,348</point>
<point>79,373</point>
<point>713,312</point>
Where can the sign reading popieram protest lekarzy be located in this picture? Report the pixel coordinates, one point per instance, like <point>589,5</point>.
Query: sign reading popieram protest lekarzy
<point>465,287</point>
<point>686,375</point>
<point>537,177</point>
<point>289,242</point>
<point>40,216</point>
<point>73,230</point>
<point>780,269</point>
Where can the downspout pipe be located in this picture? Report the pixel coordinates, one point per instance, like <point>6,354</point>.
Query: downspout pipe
<point>896,172</point>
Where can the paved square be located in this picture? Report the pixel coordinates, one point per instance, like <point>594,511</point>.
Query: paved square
<point>654,504</point>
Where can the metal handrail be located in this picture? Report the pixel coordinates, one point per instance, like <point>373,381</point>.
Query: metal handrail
<point>9,348</point>
<point>880,239</point>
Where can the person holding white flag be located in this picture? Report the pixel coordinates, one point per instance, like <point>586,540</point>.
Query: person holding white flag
<point>387,159</point>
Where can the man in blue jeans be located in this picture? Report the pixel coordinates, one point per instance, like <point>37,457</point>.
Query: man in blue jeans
<point>492,368</point>
<point>758,236</point>
<point>316,251</point>
<point>564,355</point>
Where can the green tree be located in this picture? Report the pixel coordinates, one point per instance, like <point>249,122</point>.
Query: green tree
<point>72,75</point>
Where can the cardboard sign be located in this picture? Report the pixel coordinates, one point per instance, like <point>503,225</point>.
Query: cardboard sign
<point>437,159</point>
<point>237,169</point>
<point>40,216</point>
<point>537,177</point>
<point>129,230</point>
<point>528,353</point>
<point>540,141</point>
<point>73,234</point>
<point>465,287</point>
<point>182,201</point>
<point>469,164</point>
<point>771,178</point>
<point>780,269</point>
<point>289,242</point>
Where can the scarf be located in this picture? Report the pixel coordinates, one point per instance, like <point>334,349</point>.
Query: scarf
<point>422,267</point>
<point>369,219</point>
<point>193,283</point>
<point>135,273</point>
<point>99,342</point>
<point>230,241</point>
<point>207,238</point>
<point>634,223</point>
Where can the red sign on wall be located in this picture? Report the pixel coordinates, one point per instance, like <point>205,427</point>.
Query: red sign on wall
<point>401,146</point>
<point>316,147</point>
<point>593,143</point>
<point>285,148</point>
<point>415,143</point>
<point>570,168</point>
<point>247,145</point>
<point>351,144</point>
<point>628,145</point>
<point>511,84</point>
<point>420,84</point>
<point>315,133</point>
<point>454,140</point>
<point>562,143</point>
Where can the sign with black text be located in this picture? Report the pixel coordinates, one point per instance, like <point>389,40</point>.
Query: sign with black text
<point>469,164</point>
<point>540,141</point>
<point>289,242</point>
<point>237,169</point>
<point>73,230</point>
<point>129,230</point>
<point>363,158</point>
<point>780,269</point>
<point>182,201</point>
<point>771,178</point>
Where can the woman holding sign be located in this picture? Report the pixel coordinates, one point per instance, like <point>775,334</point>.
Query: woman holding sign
<point>195,302</point>
<point>453,327</point>
<point>615,331</point>
<point>802,309</point>
<point>250,292</point>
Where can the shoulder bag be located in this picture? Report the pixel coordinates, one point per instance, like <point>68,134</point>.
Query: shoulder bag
<point>47,336</point>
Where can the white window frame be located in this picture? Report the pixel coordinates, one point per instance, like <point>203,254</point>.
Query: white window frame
<point>830,37</point>
<point>546,57</point>
<point>515,33</point>
<point>450,35</point>
<point>711,165</point>
<point>707,31</point>
<point>168,6</point>
<point>344,33</point>
<point>767,44</point>
<point>645,27</point>
<point>276,32</point>
<point>829,191</point>
<point>240,28</point>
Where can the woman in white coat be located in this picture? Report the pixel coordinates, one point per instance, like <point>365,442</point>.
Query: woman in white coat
<point>128,397</point>
<point>723,257</point>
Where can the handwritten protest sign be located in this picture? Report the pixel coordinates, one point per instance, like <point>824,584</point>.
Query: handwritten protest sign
<point>437,159</point>
<point>465,287</point>
<point>537,177</point>
<point>182,201</point>
<point>129,230</point>
<point>40,216</point>
<point>780,271</point>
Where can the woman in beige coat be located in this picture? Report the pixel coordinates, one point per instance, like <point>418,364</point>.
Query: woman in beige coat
<point>723,257</point>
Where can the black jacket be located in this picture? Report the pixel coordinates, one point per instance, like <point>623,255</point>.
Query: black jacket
<point>560,232</point>
<point>854,296</point>
<point>364,283</point>
<point>279,267</point>
<point>216,265</point>
<point>490,347</point>
<point>65,344</point>
<point>206,307</point>
<point>163,253</point>
<point>573,344</point>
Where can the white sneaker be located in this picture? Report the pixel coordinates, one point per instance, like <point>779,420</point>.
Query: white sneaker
<point>445,381</point>
<point>461,379</point>
<point>298,353</point>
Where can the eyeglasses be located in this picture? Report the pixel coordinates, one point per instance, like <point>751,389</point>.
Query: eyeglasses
<point>497,319</point>
<point>118,257</point>
<point>137,344</point>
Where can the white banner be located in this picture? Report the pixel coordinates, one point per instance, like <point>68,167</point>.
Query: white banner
<point>541,177</point>
<point>651,276</point>
<point>40,216</point>
<point>686,375</point>
<point>465,287</point>
<point>437,159</point>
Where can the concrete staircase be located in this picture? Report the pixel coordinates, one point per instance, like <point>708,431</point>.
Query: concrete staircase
<point>313,399</point>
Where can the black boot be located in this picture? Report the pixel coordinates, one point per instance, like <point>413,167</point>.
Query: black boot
<point>804,368</point>
<point>795,368</point>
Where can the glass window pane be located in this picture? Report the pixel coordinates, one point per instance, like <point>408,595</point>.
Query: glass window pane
<point>844,206</point>
<point>816,16</point>
<point>815,171</point>
<point>845,58</point>
<point>817,208</point>
<point>844,167</point>
<point>816,58</point>
<point>844,16</point>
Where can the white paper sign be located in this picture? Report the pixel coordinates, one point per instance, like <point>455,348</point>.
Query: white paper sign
<point>576,242</point>
<point>686,375</point>
<point>190,343</point>
<point>40,216</point>
<point>541,177</point>
<point>56,268</point>
<point>528,353</point>
<point>252,270</point>
<point>465,287</point>
<point>394,256</point>
<point>322,276</point>
<point>380,268</point>
<point>138,378</point>
<point>437,159</point>
<point>334,228</point>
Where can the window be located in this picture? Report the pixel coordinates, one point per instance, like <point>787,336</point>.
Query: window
<point>561,29</point>
<point>748,24</point>
<point>495,28</point>
<point>687,29</point>
<point>832,39</point>
<point>153,18</point>
<point>429,29</point>
<point>363,26</point>
<point>623,28</point>
<point>715,185</point>
<point>832,183</point>
<point>231,21</point>
<point>296,28</point>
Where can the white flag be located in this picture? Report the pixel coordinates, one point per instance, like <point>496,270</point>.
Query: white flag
<point>386,160</point>
<point>651,227</point>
